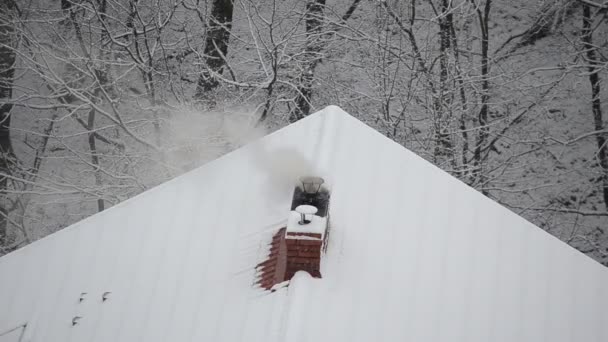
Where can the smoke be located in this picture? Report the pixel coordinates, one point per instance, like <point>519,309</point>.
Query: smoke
<point>192,138</point>
<point>239,128</point>
<point>282,168</point>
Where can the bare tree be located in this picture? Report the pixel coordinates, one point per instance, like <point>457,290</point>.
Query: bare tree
<point>483,16</point>
<point>100,84</point>
<point>594,68</point>
<point>216,46</point>
<point>8,12</point>
<point>312,56</point>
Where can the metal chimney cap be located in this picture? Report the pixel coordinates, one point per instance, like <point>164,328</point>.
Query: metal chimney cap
<point>306,209</point>
<point>311,185</point>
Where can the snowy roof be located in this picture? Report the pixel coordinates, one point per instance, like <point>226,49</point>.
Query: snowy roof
<point>413,255</point>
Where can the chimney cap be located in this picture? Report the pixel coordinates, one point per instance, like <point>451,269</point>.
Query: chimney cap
<point>311,185</point>
<point>306,209</point>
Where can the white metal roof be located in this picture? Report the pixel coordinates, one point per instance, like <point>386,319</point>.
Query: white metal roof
<point>413,255</point>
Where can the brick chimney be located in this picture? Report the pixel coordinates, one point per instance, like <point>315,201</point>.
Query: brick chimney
<point>303,254</point>
<point>298,246</point>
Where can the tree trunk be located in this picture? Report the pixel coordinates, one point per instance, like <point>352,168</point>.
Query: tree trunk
<point>459,83</point>
<point>483,134</point>
<point>216,47</point>
<point>95,156</point>
<point>101,76</point>
<point>596,104</point>
<point>444,149</point>
<point>314,15</point>
<point>7,72</point>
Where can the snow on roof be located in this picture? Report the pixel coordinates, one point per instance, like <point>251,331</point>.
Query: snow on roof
<point>413,255</point>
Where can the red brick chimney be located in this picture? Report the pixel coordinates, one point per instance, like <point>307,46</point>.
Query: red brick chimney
<point>303,254</point>
<point>298,246</point>
<point>294,248</point>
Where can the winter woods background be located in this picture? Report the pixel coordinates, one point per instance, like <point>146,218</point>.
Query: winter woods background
<point>103,99</point>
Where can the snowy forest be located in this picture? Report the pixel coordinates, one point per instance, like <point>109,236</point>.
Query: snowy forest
<point>103,99</point>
